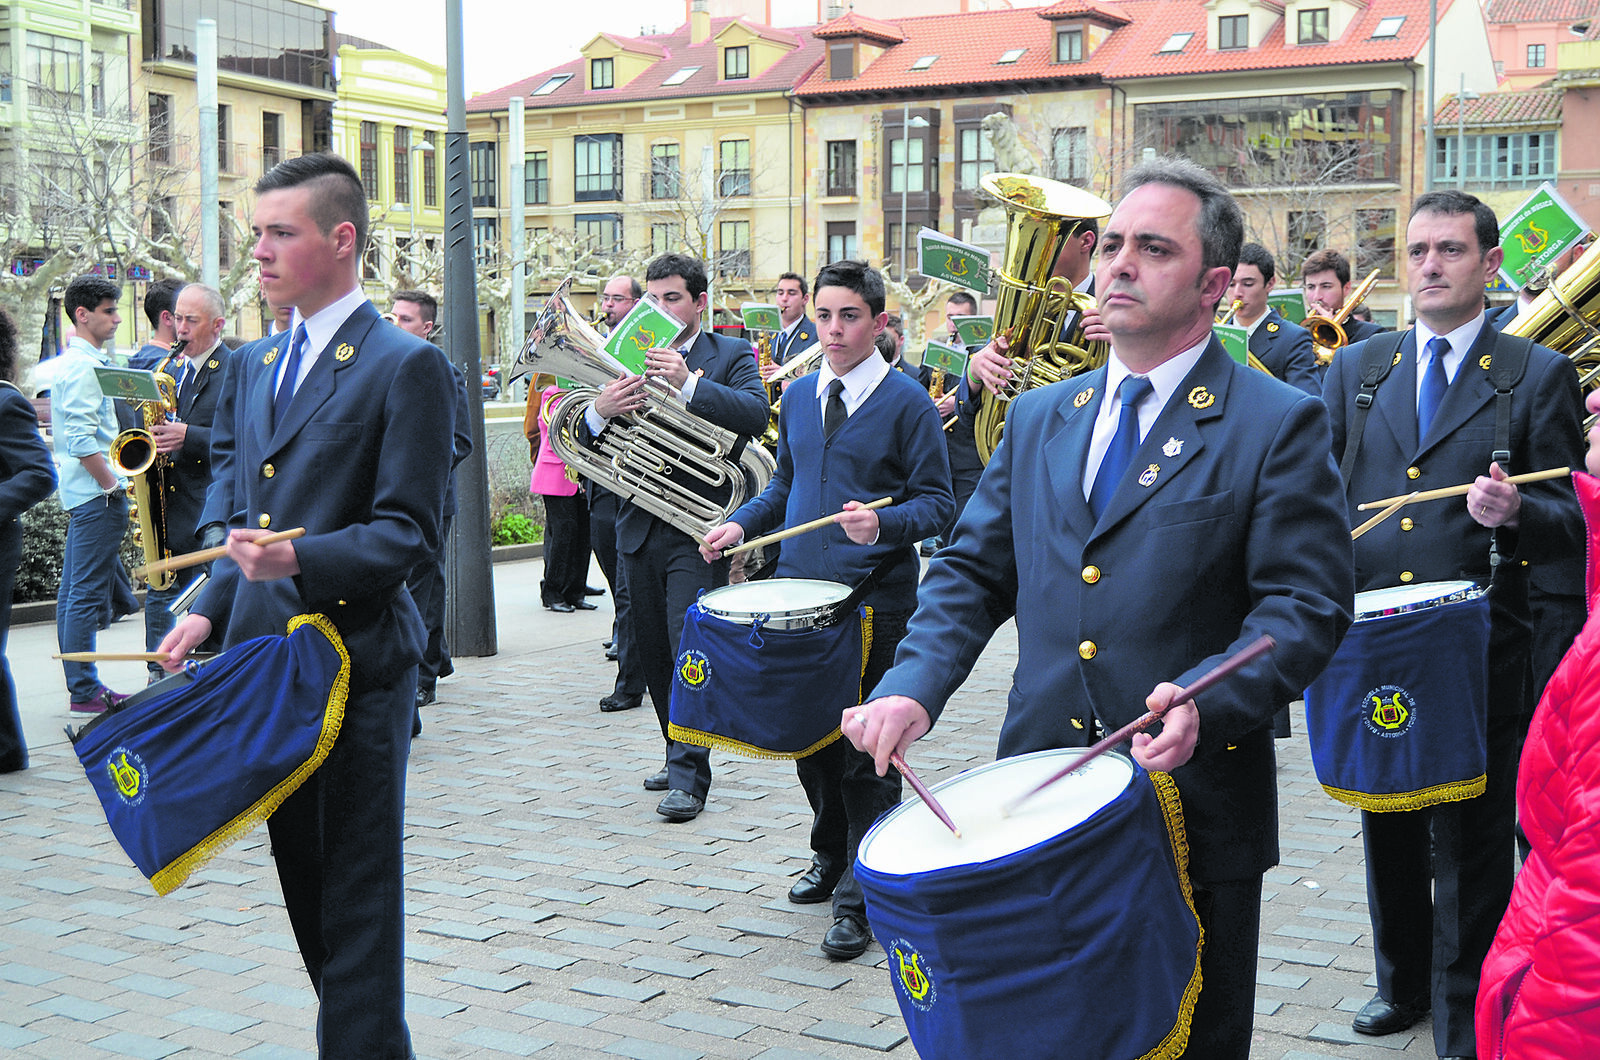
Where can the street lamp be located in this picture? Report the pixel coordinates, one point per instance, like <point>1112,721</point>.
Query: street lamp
<point>1462,98</point>
<point>907,123</point>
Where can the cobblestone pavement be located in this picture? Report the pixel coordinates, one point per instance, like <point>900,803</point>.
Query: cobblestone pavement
<point>551,912</point>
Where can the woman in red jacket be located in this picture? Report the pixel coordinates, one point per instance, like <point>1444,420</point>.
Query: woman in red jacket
<point>1539,994</point>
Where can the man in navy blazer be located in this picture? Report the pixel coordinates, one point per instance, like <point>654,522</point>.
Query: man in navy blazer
<point>1284,348</point>
<point>799,331</point>
<point>1224,525</point>
<point>718,380</point>
<point>1439,879</point>
<point>336,426</point>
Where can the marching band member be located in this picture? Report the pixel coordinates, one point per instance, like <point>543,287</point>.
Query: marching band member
<point>849,432</point>
<point>1157,514</point>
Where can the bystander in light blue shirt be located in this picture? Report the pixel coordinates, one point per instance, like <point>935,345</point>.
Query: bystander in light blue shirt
<point>83,421</point>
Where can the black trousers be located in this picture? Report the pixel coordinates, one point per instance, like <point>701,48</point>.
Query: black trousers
<point>337,842</point>
<point>845,792</point>
<point>427,588</point>
<point>13,745</point>
<point>566,549</point>
<point>603,505</point>
<point>1225,1012</point>
<point>664,577</point>
<point>1462,892</point>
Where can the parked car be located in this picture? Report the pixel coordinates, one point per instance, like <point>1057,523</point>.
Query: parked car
<point>491,383</point>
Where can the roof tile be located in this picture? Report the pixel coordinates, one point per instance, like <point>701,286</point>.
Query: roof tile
<point>1500,11</point>
<point>1533,106</point>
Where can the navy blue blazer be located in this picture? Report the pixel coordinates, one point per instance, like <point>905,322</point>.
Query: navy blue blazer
<point>803,335</point>
<point>1231,527</point>
<point>360,460</point>
<point>1285,349</point>
<point>197,407</point>
<point>729,394</point>
<point>1358,330</point>
<point>27,468</point>
<point>1500,317</point>
<point>1440,541</point>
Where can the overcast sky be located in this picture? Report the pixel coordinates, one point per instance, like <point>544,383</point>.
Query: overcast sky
<point>507,42</point>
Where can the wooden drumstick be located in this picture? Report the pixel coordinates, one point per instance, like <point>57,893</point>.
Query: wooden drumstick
<point>112,656</point>
<point>1461,491</point>
<point>1381,516</point>
<point>795,531</point>
<point>1260,646</point>
<point>923,793</point>
<point>206,555</point>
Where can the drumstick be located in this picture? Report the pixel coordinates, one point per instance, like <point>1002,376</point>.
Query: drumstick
<point>122,656</point>
<point>793,531</point>
<point>923,793</point>
<point>951,422</point>
<point>1461,491</point>
<point>1381,516</point>
<point>1260,646</point>
<point>206,555</point>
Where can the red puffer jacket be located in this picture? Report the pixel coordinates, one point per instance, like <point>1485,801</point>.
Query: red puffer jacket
<point>1539,995</point>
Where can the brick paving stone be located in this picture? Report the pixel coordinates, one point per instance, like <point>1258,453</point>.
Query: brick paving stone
<point>153,985</point>
<point>1311,934</point>
<point>123,1043</point>
<point>27,974</point>
<point>707,1023</point>
<point>881,1038</point>
<point>526,914</point>
<point>638,1049</point>
<point>570,1015</point>
<point>284,996</point>
<point>502,1041</point>
<point>1283,979</point>
<point>76,1008</point>
<point>765,928</point>
<point>723,883</point>
<point>821,979</point>
<point>664,966</point>
<point>698,902</point>
<point>603,939</point>
<point>1279,953</point>
<point>219,962</point>
<point>211,1019</point>
<point>538,958</point>
<point>623,918</point>
<point>742,996</point>
<point>726,949</point>
<point>454,929</point>
<point>500,984</point>
<point>609,879</point>
<point>1343,1034</point>
<point>600,986</point>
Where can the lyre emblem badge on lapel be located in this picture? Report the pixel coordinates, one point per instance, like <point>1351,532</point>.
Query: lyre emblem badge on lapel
<point>272,355</point>
<point>1201,398</point>
<point>1083,398</point>
<point>1485,361</point>
<point>344,352</point>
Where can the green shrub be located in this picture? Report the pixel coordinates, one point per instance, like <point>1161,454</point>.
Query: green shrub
<point>514,528</point>
<point>44,537</point>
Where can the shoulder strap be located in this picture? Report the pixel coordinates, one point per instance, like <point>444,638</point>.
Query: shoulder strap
<point>1377,359</point>
<point>1507,365</point>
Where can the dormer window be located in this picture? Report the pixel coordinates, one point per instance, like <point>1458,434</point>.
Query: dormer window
<point>1233,32</point>
<point>602,73</point>
<point>1069,46</point>
<point>841,61</point>
<point>736,63</point>
<point>1313,25</point>
<point>1176,43</point>
<point>1389,28</point>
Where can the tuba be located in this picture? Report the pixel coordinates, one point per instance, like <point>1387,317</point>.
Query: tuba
<point>1041,215</point>
<point>1566,318</point>
<point>134,457</point>
<point>686,472</point>
<point>1327,332</point>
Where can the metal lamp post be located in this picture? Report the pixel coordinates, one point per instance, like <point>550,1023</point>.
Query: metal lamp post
<point>906,124</point>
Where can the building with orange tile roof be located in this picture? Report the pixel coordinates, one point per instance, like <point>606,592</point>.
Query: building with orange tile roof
<point>1524,35</point>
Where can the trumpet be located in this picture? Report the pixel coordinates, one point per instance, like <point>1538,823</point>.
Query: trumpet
<point>1327,332</point>
<point>1226,317</point>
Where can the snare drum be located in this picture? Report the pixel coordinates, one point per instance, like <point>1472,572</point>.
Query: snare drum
<point>1065,929</point>
<point>1399,719</point>
<point>765,668</point>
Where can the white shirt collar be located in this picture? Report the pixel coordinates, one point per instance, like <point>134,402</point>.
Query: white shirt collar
<point>1165,378</point>
<point>325,323</point>
<point>1461,340</point>
<point>859,382</point>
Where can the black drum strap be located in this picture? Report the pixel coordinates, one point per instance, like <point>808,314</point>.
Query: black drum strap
<point>1377,358</point>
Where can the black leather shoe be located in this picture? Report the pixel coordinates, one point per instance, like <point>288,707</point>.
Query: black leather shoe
<point>1381,1016</point>
<point>613,703</point>
<point>561,606</point>
<point>425,696</point>
<point>815,886</point>
<point>592,590</point>
<point>608,642</point>
<point>656,781</point>
<point>581,605</point>
<point>847,939</point>
<point>611,653</point>
<point>679,805</point>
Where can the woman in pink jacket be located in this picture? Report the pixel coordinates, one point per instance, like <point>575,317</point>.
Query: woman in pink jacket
<point>566,521</point>
<point>1539,994</point>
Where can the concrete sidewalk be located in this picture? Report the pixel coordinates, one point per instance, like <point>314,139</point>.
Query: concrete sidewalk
<point>551,912</point>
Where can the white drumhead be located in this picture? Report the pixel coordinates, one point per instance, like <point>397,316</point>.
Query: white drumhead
<point>1408,597</point>
<point>912,840</point>
<point>773,596</point>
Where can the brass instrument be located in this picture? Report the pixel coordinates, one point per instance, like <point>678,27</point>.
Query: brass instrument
<point>1566,318</point>
<point>1231,312</point>
<point>1327,332</point>
<point>764,342</point>
<point>134,457</point>
<point>1041,215</point>
<point>687,472</point>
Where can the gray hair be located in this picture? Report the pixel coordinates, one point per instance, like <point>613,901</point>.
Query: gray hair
<point>215,306</point>
<point>1220,223</point>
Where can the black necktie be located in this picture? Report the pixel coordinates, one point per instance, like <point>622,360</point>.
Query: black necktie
<point>833,416</point>
<point>1434,384</point>
<point>291,370</point>
<point>186,384</point>
<point>1119,454</point>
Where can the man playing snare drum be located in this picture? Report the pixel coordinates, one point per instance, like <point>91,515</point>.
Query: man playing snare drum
<point>848,433</point>
<point>1222,524</point>
<point>1439,380</point>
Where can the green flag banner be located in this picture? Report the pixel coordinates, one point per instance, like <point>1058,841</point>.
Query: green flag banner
<point>1537,233</point>
<point>647,326</point>
<point>949,259</point>
<point>973,331</point>
<point>760,317</point>
<point>1235,340</point>
<point>1289,302</point>
<point>952,360</point>
<point>129,384</point>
